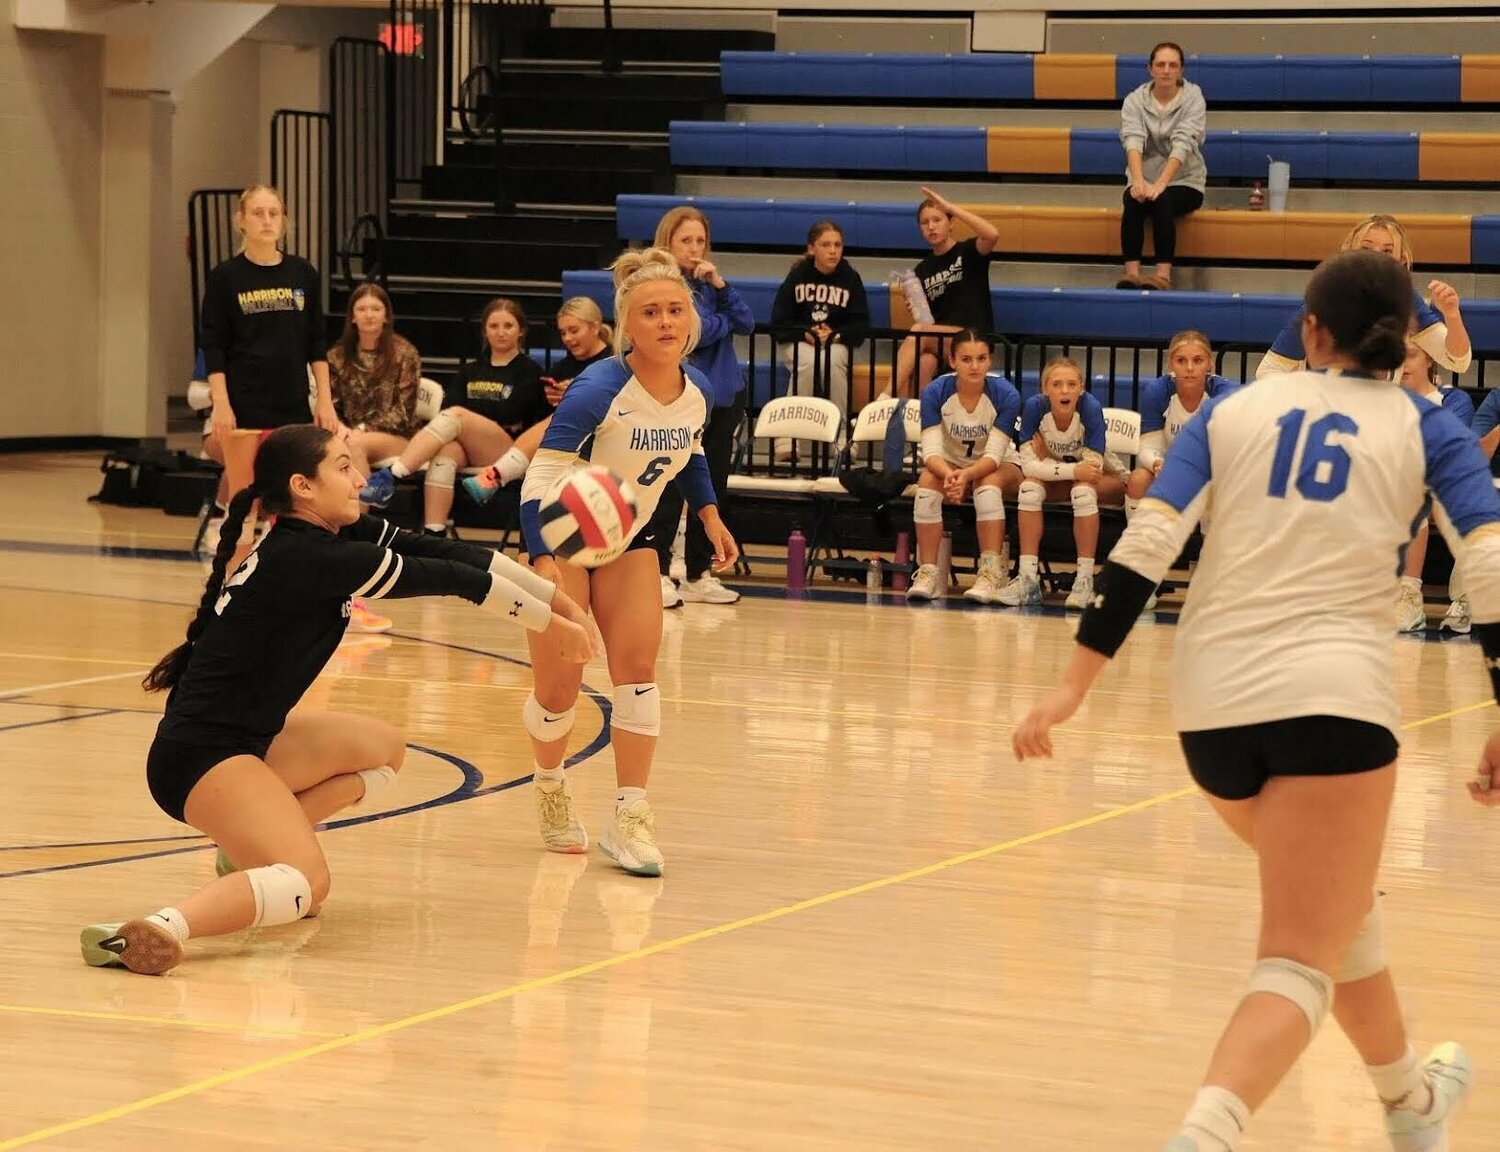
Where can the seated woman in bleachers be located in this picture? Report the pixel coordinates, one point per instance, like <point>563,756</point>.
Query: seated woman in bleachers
<point>955,279</point>
<point>968,445</point>
<point>1440,325</point>
<point>820,315</point>
<point>1064,459</point>
<point>581,327</point>
<point>1168,403</point>
<point>493,400</point>
<point>373,374</point>
<point>1420,376</point>
<point>1162,129</point>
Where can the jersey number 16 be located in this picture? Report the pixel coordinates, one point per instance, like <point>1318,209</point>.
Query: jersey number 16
<point>1323,470</point>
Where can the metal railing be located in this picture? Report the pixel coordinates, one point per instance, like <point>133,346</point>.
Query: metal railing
<point>361,151</point>
<point>299,169</point>
<point>211,241</point>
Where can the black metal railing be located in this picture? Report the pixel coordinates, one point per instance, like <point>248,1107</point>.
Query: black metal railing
<point>361,148</point>
<point>299,168</point>
<point>212,239</point>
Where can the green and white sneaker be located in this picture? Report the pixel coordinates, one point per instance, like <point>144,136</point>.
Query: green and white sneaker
<point>1082,593</point>
<point>989,582</point>
<point>631,840</point>
<point>1448,1073</point>
<point>561,830</point>
<point>141,945</point>
<point>924,585</point>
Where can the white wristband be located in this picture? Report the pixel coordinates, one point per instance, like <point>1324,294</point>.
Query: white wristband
<point>523,577</point>
<point>513,601</point>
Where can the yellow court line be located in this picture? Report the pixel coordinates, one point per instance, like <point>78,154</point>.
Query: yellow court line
<point>296,1057</point>
<point>169,1021</point>
<point>53,657</point>
<point>1441,716</point>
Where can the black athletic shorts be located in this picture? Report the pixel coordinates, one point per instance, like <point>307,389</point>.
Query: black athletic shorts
<point>174,767</point>
<point>1235,763</point>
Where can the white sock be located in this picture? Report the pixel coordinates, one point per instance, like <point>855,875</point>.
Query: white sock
<point>1131,504</point>
<point>1085,567</point>
<point>1029,567</point>
<point>512,466</point>
<point>989,556</point>
<point>1402,1085</point>
<point>398,470</point>
<point>437,529</point>
<point>628,796</point>
<point>1412,582</point>
<point>1217,1120</point>
<point>174,921</point>
<point>552,774</point>
<point>376,780</point>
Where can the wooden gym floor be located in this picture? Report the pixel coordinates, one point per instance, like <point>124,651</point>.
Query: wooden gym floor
<point>876,931</point>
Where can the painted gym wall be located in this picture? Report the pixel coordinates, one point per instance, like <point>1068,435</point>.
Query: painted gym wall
<point>51,123</point>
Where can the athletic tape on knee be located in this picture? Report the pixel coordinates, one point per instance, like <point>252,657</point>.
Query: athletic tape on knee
<point>927,507</point>
<point>989,504</point>
<point>1085,500</point>
<point>1307,988</point>
<point>543,725</point>
<point>282,894</point>
<point>637,708</point>
<point>1366,956</point>
<point>1031,495</point>
<point>441,473</point>
<point>445,426</point>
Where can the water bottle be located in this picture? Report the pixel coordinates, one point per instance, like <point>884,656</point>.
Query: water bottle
<point>1257,198</point>
<point>900,579</point>
<point>916,299</point>
<point>945,560</point>
<point>796,560</point>
<point>873,575</point>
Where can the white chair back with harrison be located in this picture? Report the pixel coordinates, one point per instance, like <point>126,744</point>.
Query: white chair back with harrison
<point>1122,431</point>
<point>429,399</point>
<point>876,415</point>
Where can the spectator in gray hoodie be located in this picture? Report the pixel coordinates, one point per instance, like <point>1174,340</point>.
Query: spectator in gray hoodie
<point>1162,130</point>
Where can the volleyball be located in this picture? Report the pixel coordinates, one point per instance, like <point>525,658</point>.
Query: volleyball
<point>587,516</point>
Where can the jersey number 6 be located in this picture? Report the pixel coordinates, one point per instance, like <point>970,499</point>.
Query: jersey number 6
<point>1314,481</point>
<point>653,471</point>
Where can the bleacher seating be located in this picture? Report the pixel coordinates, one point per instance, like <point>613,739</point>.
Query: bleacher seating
<point>1233,235</point>
<point>1089,313</point>
<point>1349,81</point>
<point>1233,155</point>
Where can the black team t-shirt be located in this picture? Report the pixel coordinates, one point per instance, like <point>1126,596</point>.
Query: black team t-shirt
<point>957,284</point>
<point>262,326</point>
<point>511,394</point>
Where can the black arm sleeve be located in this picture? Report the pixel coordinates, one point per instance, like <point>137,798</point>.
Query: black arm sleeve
<point>216,324</point>
<point>317,329</point>
<point>373,530</point>
<point>354,568</point>
<point>1120,595</point>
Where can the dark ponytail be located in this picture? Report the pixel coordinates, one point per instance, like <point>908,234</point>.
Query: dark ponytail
<point>295,450</point>
<point>1363,300</point>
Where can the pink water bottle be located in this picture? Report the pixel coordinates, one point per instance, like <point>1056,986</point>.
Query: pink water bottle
<point>796,560</point>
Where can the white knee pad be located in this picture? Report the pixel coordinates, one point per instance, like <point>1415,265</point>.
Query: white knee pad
<point>1085,500</point>
<point>1307,988</point>
<point>989,504</point>
<point>637,708</point>
<point>1366,956</point>
<point>543,725</point>
<point>441,473</point>
<point>445,426</point>
<point>1131,504</point>
<point>1031,495</point>
<point>282,894</point>
<point>927,506</point>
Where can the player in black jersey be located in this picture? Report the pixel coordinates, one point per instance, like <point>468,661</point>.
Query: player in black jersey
<point>227,758</point>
